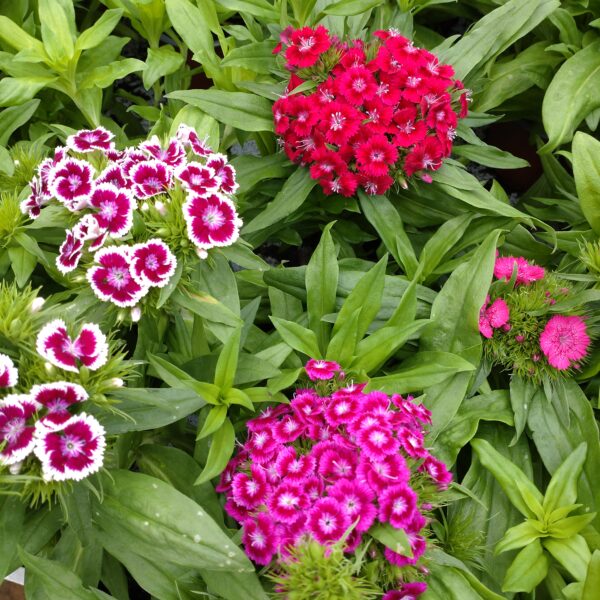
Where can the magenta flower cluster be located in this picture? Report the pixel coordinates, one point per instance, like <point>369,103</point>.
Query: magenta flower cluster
<point>564,340</point>
<point>104,187</point>
<point>69,445</point>
<point>326,466</point>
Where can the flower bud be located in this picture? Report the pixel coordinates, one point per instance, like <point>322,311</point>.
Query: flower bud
<point>15,469</point>
<point>116,382</point>
<point>145,206</point>
<point>37,304</point>
<point>160,207</point>
<point>519,338</point>
<point>136,314</point>
<point>202,254</point>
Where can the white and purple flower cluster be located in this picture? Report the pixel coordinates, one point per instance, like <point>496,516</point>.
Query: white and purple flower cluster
<point>40,422</point>
<point>320,465</point>
<point>104,187</point>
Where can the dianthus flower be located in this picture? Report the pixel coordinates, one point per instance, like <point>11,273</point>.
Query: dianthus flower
<point>526,272</point>
<point>564,341</point>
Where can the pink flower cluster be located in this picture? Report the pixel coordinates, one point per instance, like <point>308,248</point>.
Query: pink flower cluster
<point>105,201</point>
<point>41,422</point>
<point>371,120</point>
<point>322,466</point>
<point>564,340</point>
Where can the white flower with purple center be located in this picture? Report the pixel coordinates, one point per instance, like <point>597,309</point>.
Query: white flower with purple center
<point>16,432</point>
<point>57,398</point>
<point>9,375</point>
<point>152,263</point>
<point>89,348</point>
<point>224,171</point>
<point>112,280</point>
<point>69,253</point>
<point>211,220</point>
<point>150,177</point>
<point>88,140</point>
<point>114,209</point>
<point>173,155</point>
<point>71,450</point>
<point>71,183</point>
<point>198,178</point>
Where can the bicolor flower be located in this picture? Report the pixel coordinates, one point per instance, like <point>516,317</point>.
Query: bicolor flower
<point>113,209</point>
<point>56,398</point>
<point>327,520</point>
<point>112,280</point>
<point>71,182</point>
<point>260,539</point>
<point>198,178</point>
<point>188,136</point>
<point>9,374</point>
<point>69,253</point>
<point>223,171</point>
<point>89,348</point>
<point>88,140</point>
<point>173,155</point>
<point>211,220</point>
<point>16,432</point>
<point>150,177</point>
<point>71,450</point>
<point>152,263</point>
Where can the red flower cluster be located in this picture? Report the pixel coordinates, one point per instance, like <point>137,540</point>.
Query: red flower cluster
<point>382,111</point>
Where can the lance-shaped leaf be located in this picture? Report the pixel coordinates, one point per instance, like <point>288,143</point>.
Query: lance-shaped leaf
<point>562,489</point>
<point>572,553</point>
<point>527,570</point>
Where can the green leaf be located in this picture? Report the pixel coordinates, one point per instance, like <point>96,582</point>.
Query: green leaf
<point>15,37</point>
<point>420,371</point>
<point>386,220</point>
<point>221,449</point>
<point>570,526</point>
<point>228,362</point>
<point>562,489</point>
<point>571,96</point>
<point>103,77</point>
<point>291,197</point>
<point>527,570</point>
<point>321,279</point>
<point>573,554</point>
<point>99,31</point>
<point>214,420</point>
<point>238,109</point>
<point>518,536</point>
<point>347,8</point>
<point>14,91</point>
<point>592,578</point>
<point>489,156</point>
<point>508,476</point>
<point>586,169</point>
<point>394,539</point>
<point>22,263</point>
<point>163,525</point>
<point>12,514</point>
<point>342,346</point>
<point>12,118</point>
<point>256,57</point>
<point>206,306</point>
<point>297,337</point>
<point>256,8</point>
<point>160,62</point>
<point>56,31</point>
<point>142,409</point>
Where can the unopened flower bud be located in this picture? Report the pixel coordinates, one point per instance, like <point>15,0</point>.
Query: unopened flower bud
<point>49,368</point>
<point>136,314</point>
<point>160,207</point>
<point>202,254</point>
<point>15,326</point>
<point>116,382</point>
<point>536,357</point>
<point>145,206</point>
<point>506,327</point>
<point>520,338</point>
<point>37,304</point>
<point>15,469</point>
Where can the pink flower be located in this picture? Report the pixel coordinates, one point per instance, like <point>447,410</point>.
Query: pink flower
<point>197,178</point>
<point>71,450</point>
<point>114,209</point>
<point>16,436</point>
<point>150,177</point>
<point>173,155</point>
<point>408,591</point>
<point>9,375</point>
<point>294,468</point>
<point>437,471</point>
<point>32,205</point>
<point>377,442</point>
<point>262,446</point>
<point>70,181</point>
<point>321,369</point>
<point>112,280</point>
<point>327,520</point>
<point>306,45</point>
<point>114,175</point>
<point>152,263</point>
<point>380,474</point>
<point>412,441</point>
<point>223,171</point>
<point>290,428</point>
<point>397,505</point>
<point>526,272</point>
<point>188,137</point>
<point>57,398</point>
<point>89,348</point>
<point>211,220</point>
<point>69,253</point>
<point>357,500</point>
<point>88,229</point>
<point>260,539</point>
<point>307,406</point>
<point>287,501</point>
<point>88,140</point>
<point>493,316</point>
<point>247,491</point>
<point>564,341</point>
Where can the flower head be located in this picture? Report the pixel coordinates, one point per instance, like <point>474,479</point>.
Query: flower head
<point>526,271</point>
<point>321,369</point>
<point>211,220</point>
<point>152,263</point>
<point>88,140</point>
<point>327,520</point>
<point>564,341</point>
<point>113,209</point>
<point>306,45</point>
<point>9,374</point>
<point>150,177</point>
<point>493,316</point>
<point>16,432</point>
<point>56,398</point>
<point>70,181</point>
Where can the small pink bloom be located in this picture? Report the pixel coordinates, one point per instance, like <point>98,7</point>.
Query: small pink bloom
<point>290,428</point>
<point>412,442</point>
<point>437,471</point>
<point>321,369</point>
<point>89,348</point>
<point>260,539</point>
<point>173,155</point>
<point>112,280</point>
<point>341,409</point>
<point>113,209</point>
<point>357,500</point>
<point>70,181</point>
<point>88,140</point>
<point>69,253</point>
<point>381,474</point>
<point>397,505</point>
<point>224,172</point>
<point>198,178</point>
<point>130,158</point>
<point>88,229</point>
<point>287,501</point>
<point>493,316</point>
<point>377,442</point>
<point>32,205</point>
<point>9,375</point>
<point>211,220</point>
<point>262,446</point>
<point>294,468</point>
<point>564,341</point>
<point>71,450</point>
<point>337,462</point>
<point>327,520</point>
<point>408,591</point>
<point>250,491</point>
<point>56,398</point>
<point>152,263</point>
<point>16,436</point>
<point>188,136</point>
<point>307,406</point>
<point>526,272</point>
<point>150,177</point>
<point>114,175</point>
